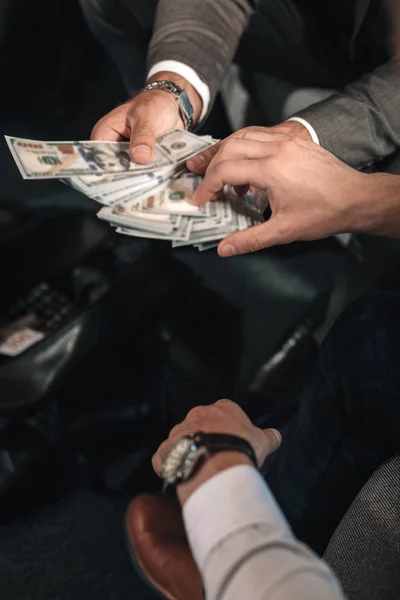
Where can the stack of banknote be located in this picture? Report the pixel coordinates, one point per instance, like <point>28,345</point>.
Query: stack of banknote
<point>149,201</point>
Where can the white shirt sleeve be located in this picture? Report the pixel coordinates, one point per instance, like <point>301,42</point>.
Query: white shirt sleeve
<point>310,128</point>
<point>190,75</point>
<point>243,546</point>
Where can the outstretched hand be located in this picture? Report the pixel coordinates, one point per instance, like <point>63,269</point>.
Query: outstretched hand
<point>312,194</point>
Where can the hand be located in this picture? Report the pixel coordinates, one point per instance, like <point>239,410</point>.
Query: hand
<point>147,116</point>
<point>199,164</point>
<point>312,194</point>
<point>222,417</point>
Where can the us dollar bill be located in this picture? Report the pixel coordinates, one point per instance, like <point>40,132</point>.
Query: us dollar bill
<point>181,233</point>
<point>175,198</point>
<point>136,219</point>
<point>48,160</point>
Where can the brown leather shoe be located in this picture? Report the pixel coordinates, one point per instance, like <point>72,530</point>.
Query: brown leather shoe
<point>160,548</point>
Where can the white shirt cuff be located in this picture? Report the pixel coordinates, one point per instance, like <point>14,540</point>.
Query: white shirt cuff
<point>232,500</point>
<point>190,75</point>
<point>309,128</point>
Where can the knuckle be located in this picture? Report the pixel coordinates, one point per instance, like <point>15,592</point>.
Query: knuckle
<point>251,130</point>
<point>220,169</point>
<point>196,413</point>
<point>175,430</point>
<point>287,144</point>
<point>228,146</point>
<point>253,243</point>
<point>273,164</point>
<point>224,403</point>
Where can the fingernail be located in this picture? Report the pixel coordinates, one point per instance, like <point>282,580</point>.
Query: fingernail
<point>142,152</point>
<point>196,161</point>
<point>227,250</point>
<point>277,435</point>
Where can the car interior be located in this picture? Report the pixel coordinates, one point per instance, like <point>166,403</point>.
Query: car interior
<point>126,350</point>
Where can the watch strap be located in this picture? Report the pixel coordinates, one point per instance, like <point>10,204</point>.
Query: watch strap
<point>188,454</point>
<point>221,442</point>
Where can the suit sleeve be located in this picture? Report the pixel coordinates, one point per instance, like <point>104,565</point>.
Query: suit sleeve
<point>361,125</point>
<point>203,34</point>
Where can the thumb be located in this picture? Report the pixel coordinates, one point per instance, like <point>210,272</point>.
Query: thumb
<point>274,232</point>
<point>143,141</point>
<point>273,440</point>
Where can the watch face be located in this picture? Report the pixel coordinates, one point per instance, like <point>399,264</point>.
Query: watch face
<point>174,461</point>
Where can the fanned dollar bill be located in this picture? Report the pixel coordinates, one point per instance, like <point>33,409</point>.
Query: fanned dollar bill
<point>41,160</point>
<point>145,201</point>
<point>182,232</point>
<point>135,218</point>
<point>175,198</point>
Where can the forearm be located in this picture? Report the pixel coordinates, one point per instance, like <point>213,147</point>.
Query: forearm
<point>275,568</point>
<point>242,544</point>
<point>376,207</point>
<point>362,124</point>
<point>203,34</point>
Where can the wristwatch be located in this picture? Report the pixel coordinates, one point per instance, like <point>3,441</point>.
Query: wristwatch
<point>185,106</point>
<point>185,457</point>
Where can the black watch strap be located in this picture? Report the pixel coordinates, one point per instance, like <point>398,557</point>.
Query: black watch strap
<point>220,442</point>
<point>188,454</point>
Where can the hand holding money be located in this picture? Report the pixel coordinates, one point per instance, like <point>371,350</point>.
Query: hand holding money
<point>150,201</point>
<point>144,118</point>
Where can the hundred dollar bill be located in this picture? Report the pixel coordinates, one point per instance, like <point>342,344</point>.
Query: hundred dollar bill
<point>181,145</point>
<point>97,185</point>
<point>134,193</point>
<point>182,233</point>
<point>40,160</point>
<point>209,235</point>
<point>175,197</point>
<point>136,219</point>
<point>207,246</point>
<point>49,160</point>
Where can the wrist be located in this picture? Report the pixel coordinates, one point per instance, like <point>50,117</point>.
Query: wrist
<point>376,205</point>
<point>181,82</point>
<point>293,129</point>
<point>214,464</point>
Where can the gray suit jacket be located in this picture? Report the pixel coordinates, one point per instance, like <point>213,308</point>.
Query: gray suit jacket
<point>359,125</point>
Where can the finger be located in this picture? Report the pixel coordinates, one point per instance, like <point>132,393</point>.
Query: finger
<point>276,231</point>
<point>199,163</point>
<point>158,458</point>
<point>113,127</point>
<point>143,140</point>
<point>273,439</point>
<point>181,429</point>
<point>105,132</point>
<point>241,148</point>
<point>231,149</point>
<point>233,172</point>
<point>232,408</point>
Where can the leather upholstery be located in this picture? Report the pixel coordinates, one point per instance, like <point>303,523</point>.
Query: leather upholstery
<point>160,549</point>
